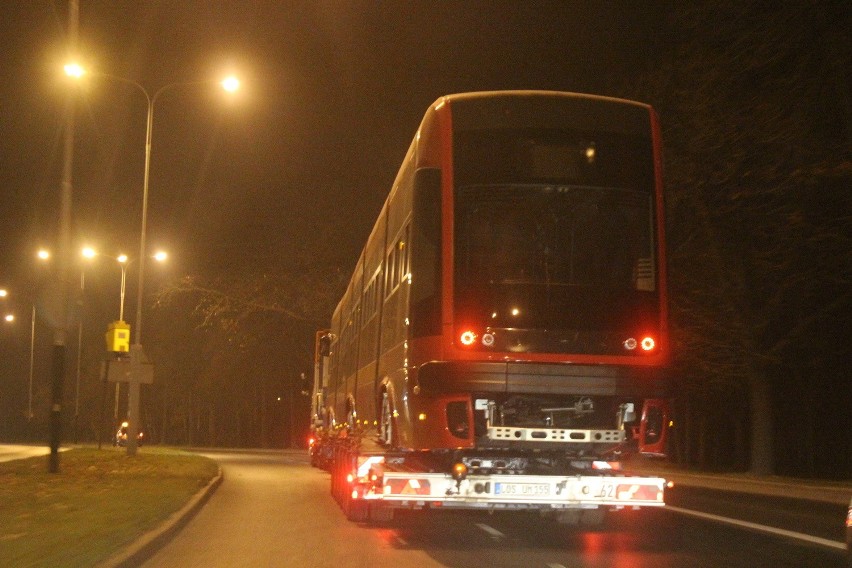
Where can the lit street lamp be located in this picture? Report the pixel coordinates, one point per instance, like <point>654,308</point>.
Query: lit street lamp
<point>43,255</point>
<point>137,356</point>
<point>124,261</point>
<point>9,318</point>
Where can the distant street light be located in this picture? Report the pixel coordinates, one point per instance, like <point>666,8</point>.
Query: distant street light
<point>125,261</point>
<point>43,255</point>
<point>87,253</point>
<point>74,70</point>
<point>8,318</point>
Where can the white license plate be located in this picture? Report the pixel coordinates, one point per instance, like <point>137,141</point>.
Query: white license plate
<point>522,489</point>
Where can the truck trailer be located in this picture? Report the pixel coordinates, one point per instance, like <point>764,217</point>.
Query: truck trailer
<point>503,341</point>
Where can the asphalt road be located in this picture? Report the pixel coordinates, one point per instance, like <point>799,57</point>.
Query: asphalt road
<point>272,509</point>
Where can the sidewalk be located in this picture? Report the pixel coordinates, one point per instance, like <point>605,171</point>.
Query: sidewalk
<point>9,452</point>
<point>836,492</point>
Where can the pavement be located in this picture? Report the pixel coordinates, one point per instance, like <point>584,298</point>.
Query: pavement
<point>9,452</point>
<point>836,492</point>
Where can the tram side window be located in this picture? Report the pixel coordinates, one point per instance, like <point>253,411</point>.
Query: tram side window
<point>390,272</point>
<point>397,264</point>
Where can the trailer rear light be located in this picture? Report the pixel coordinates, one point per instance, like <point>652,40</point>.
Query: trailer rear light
<point>646,344</point>
<point>467,338</point>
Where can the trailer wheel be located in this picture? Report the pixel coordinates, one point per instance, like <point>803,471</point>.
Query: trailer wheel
<point>380,514</point>
<point>356,510</point>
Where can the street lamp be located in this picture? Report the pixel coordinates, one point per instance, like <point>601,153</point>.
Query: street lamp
<point>229,84</point>
<point>88,253</point>
<point>9,317</point>
<point>42,255</point>
<point>125,261</point>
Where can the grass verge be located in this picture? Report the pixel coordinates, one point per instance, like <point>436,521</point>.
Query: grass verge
<point>99,502</point>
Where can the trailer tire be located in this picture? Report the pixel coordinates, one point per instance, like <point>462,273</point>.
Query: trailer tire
<point>356,510</point>
<point>380,514</point>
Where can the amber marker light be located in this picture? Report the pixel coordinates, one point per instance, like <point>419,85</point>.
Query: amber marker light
<point>459,471</point>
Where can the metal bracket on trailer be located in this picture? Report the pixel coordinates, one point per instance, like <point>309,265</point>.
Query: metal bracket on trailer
<point>521,491</point>
<point>556,435</point>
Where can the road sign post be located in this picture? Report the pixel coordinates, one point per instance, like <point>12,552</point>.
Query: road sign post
<point>134,371</point>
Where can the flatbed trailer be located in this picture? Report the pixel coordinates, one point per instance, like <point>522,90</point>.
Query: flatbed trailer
<point>371,486</point>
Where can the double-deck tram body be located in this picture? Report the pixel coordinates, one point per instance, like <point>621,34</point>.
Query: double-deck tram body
<point>512,293</point>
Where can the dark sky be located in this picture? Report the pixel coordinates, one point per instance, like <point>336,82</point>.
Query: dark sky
<point>332,95</point>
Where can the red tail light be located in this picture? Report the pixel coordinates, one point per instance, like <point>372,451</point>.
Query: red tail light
<point>467,338</point>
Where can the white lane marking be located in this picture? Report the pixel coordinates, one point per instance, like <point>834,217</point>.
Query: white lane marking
<point>555,566</point>
<point>760,528</point>
<point>494,533</point>
<point>401,541</point>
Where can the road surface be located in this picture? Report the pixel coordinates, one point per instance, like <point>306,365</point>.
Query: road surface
<point>272,509</point>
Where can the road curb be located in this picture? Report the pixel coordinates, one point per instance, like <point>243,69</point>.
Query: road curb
<point>145,546</point>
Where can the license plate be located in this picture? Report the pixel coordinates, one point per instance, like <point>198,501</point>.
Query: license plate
<point>522,489</point>
<point>605,491</point>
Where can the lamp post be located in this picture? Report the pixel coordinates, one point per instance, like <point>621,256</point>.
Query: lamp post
<point>43,255</point>
<point>87,253</point>
<point>124,261</point>
<point>137,357</point>
<point>3,294</point>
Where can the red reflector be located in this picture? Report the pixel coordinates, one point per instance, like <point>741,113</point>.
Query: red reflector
<point>637,492</point>
<point>406,487</point>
